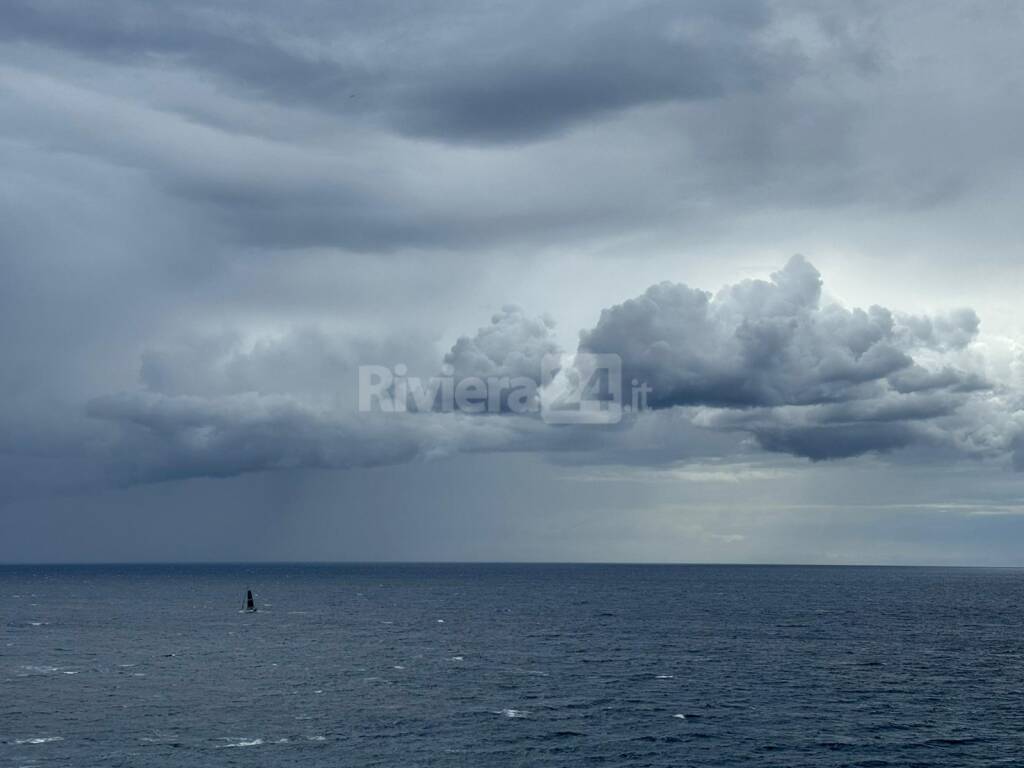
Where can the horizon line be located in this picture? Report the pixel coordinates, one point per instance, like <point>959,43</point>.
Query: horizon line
<point>132,563</point>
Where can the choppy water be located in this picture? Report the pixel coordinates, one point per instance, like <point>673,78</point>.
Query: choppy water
<point>477,665</point>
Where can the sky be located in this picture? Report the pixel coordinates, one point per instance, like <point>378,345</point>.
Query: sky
<point>797,223</point>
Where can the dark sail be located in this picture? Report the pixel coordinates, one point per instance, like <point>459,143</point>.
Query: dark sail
<point>250,604</point>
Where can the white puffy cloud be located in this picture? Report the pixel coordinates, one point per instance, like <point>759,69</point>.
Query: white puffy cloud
<point>512,345</point>
<point>800,375</point>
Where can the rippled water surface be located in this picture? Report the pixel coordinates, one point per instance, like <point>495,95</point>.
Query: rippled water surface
<point>502,665</point>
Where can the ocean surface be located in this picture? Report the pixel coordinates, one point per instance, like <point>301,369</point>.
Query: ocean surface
<point>511,665</point>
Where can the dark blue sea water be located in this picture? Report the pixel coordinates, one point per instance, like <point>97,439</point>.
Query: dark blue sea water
<point>511,665</point>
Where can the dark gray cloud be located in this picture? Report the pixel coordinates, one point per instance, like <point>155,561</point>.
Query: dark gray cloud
<point>567,123</point>
<point>835,441</point>
<point>761,343</point>
<point>567,64</point>
<point>453,71</point>
<point>168,437</point>
<point>918,379</point>
<point>222,405</point>
<point>303,128</point>
<point>158,437</point>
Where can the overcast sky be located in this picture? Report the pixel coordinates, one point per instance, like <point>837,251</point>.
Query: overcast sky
<point>799,222</point>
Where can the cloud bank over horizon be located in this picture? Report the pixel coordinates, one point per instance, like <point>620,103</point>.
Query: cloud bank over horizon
<point>763,358</point>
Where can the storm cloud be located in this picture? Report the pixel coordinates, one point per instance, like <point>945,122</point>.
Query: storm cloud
<point>384,127</point>
<point>767,358</point>
<point>173,437</point>
<point>212,214</point>
<point>803,376</point>
<point>452,71</point>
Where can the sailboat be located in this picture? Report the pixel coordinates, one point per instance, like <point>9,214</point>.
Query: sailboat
<point>250,604</point>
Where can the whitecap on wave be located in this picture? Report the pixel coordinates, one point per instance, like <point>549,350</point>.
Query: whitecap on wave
<point>39,740</point>
<point>37,669</point>
<point>243,743</point>
<point>512,713</point>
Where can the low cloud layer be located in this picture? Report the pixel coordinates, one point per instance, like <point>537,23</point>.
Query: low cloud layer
<point>769,359</point>
<point>160,437</point>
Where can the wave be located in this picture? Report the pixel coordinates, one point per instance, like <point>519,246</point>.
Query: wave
<point>243,743</point>
<point>513,713</point>
<point>159,737</point>
<point>37,669</point>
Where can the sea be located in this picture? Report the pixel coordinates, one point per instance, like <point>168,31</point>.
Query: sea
<point>511,665</point>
